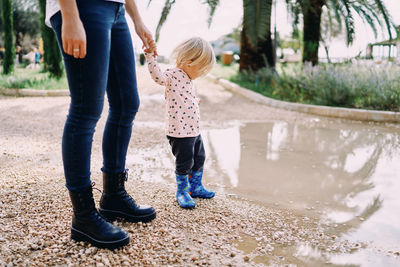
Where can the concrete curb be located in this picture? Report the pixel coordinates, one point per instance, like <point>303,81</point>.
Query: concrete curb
<point>33,92</point>
<point>345,113</point>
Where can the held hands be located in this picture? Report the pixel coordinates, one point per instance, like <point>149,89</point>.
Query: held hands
<point>73,37</point>
<point>149,46</point>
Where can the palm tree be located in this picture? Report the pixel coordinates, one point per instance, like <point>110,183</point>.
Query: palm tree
<point>372,12</point>
<point>256,43</point>
<point>256,48</point>
<point>7,13</point>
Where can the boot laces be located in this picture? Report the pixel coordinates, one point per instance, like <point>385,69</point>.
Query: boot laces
<point>93,184</point>
<point>124,176</point>
<point>97,216</point>
<point>124,195</point>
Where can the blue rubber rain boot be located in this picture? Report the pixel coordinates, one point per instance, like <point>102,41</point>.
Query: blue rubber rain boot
<point>182,193</point>
<point>196,188</point>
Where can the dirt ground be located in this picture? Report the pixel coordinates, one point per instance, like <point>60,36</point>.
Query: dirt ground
<point>35,210</point>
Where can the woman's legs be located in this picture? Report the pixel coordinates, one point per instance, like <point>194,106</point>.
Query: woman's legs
<point>87,79</point>
<point>123,98</point>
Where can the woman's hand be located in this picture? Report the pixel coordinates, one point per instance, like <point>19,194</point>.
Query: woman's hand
<point>146,37</point>
<point>73,37</point>
<point>140,28</point>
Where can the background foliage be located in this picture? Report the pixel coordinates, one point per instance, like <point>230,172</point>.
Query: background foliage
<point>344,85</point>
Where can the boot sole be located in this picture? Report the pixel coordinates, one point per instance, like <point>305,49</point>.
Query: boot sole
<point>112,215</point>
<point>81,236</point>
<point>202,197</point>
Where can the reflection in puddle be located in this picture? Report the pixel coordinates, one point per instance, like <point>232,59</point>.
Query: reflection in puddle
<point>155,160</point>
<point>227,159</point>
<point>345,174</point>
<point>350,178</point>
<point>276,140</point>
<point>302,254</point>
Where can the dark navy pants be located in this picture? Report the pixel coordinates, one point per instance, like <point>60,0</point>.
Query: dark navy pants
<point>189,154</point>
<point>109,66</point>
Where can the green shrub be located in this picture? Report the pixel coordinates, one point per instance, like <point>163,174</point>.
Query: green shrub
<point>33,79</point>
<point>259,82</point>
<point>348,85</point>
<point>13,82</point>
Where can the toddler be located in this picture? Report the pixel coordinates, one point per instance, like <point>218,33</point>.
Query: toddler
<point>194,58</point>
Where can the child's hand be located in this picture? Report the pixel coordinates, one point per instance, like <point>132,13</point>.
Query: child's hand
<point>147,50</point>
<point>151,48</point>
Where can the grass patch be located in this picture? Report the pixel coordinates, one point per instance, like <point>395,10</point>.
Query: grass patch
<point>374,87</point>
<point>225,72</point>
<point>260,82</point>
<point>32,79</point>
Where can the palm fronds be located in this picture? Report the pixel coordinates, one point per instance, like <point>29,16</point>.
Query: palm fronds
<point>383,11</point>
<point>164,15</point>
<point>167,9</point>
<point>372,12</point>
<point>213,6</point>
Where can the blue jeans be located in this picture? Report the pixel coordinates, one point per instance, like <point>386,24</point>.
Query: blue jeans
<point>109,66</point>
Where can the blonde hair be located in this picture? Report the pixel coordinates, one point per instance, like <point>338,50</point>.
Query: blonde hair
<point>196,50</point>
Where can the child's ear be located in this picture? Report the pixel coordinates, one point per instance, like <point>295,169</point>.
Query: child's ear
<point>189,62</point>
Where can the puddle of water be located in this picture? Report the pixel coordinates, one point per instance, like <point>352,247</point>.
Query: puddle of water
<point>301,254</point>
<point>153,164</point>
<point>346,174</point>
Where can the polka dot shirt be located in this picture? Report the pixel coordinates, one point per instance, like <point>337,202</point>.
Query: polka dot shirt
<point>182,105</point>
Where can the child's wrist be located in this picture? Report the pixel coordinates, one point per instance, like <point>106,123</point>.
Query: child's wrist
<point>149,56</point>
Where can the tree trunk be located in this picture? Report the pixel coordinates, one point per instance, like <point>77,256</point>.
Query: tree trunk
<point>9,56</point>
<point>254,58</point>
<point>52,56</point>
<point>312,11</point>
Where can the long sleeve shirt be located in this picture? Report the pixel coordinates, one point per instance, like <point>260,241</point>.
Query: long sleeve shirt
<point>182,105</point>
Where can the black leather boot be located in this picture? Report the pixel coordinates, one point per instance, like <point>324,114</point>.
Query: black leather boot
<point>88,225</point>
<point>115,202</point>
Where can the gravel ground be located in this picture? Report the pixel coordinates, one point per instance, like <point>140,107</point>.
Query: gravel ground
<point>35,210</point>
